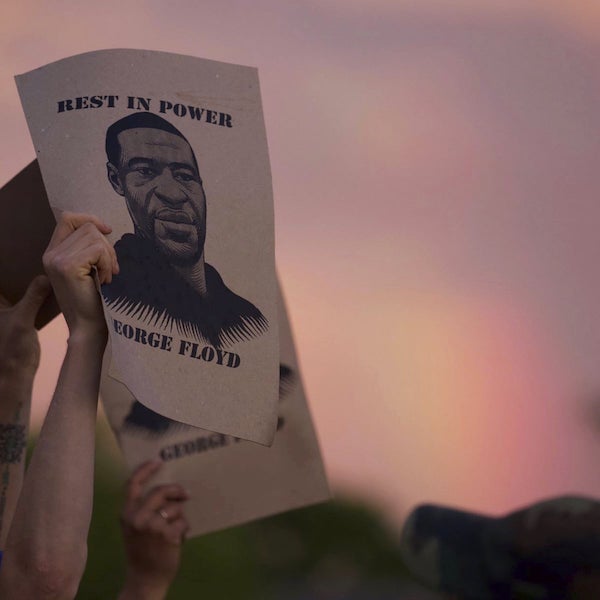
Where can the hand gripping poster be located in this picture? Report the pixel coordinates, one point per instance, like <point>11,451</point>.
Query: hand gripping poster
<point>231,481</point>
<point>171,152</point>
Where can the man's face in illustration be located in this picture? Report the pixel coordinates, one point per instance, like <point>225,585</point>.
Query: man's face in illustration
<point>158,176</point>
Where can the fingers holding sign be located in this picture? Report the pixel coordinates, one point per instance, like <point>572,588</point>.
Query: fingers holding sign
<point>77,250</point>
<point>154,526</point>
<point>19,346</point>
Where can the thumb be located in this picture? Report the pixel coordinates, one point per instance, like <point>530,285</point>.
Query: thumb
<point>31,302</point>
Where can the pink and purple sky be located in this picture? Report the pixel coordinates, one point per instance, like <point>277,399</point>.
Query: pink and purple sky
<point>436,171</point>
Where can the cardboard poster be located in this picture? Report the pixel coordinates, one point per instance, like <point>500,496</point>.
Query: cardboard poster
<point>25,230</point>
<point>231,481</point>
<point>171,152</point>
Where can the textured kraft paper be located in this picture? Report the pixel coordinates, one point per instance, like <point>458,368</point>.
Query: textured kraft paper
<point>25,230</point>
<point>230,481</point>
<point>171,152</point>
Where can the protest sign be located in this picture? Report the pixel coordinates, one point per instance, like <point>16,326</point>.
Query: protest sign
<point>171,152</point>
<point>25,230</point>
<point>231,481</point>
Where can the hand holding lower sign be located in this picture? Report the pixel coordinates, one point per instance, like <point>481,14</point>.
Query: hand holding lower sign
<point>154,526</point>
<point>19,346</point>
<point>77,248</point>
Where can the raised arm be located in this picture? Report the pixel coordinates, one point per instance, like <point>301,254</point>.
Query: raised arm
<point>19,359</point>
<point>46,549</point>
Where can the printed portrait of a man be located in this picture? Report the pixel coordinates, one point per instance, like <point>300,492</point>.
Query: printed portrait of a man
<point>164,280</point>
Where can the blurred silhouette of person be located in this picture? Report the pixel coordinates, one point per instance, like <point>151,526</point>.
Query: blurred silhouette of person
<point>548,550</point>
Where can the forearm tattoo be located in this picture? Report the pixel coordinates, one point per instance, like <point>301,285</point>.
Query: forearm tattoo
<point>12,443</point>
<point>13,440</point>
